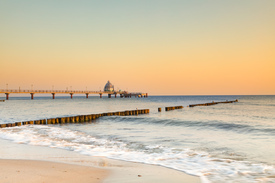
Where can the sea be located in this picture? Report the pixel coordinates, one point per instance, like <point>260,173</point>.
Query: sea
<point>233,142</point>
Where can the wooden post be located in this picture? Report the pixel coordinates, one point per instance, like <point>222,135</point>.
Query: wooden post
<point>67,119</point>
<point>77,119</point>
<point>3,125</point>
<point>62,120</point>
<point>37,122</point>
<point>7,96</point>
<point>72,119</point>
<point>18,123</point>
<point>43,121</point>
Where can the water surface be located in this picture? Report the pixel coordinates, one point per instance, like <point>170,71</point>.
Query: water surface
<point>220,143</point>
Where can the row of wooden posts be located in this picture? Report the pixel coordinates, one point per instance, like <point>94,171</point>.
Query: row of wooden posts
<point>170,108</point>
<point>213,103</point>
<point>76,119</point>
<point>193,105</point>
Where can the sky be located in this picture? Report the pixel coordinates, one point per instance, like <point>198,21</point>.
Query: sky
<point>163,47</point>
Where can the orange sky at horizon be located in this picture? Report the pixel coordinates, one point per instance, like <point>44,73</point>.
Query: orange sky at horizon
<point>220,48</point>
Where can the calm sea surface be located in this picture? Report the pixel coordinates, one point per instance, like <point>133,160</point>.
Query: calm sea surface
<point>220,143</point>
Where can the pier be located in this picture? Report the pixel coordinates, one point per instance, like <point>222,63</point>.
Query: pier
<point>109,90</point>
<point>122,94</point>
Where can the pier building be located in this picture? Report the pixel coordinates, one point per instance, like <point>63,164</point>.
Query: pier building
<point>109,87</point>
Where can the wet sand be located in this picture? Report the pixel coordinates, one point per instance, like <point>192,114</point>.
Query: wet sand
<point>20,162</point>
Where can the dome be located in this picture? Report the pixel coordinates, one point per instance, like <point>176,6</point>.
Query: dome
<point>109,87</point>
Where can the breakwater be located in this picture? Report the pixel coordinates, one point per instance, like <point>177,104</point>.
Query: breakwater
<point>170,108</point>
<point>213,103</point>
<point>173,108</point>
<point>194,105</point>
<point>76,119</point>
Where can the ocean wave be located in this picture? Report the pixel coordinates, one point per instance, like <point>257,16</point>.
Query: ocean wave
<point>220,125</point>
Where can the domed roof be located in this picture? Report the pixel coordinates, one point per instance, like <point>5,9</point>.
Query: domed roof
<point>109,87</point>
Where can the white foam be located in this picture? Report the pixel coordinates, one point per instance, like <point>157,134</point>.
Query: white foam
<point>187,160</point>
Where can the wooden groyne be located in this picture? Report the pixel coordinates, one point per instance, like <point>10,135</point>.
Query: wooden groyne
<point>170,108</point>
<point>173,108</point>
<point>2,100</point>
<point>76,119</point>
<point>213,103</point>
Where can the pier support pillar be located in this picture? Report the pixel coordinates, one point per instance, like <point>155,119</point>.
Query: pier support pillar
<point>53,95</point>
<point>87,95</point>
<point>71,95</point>
<point>100,95</point>
<point>130,95</point>
<point>32,95</point>
<point>121,96</point>
<point>115,95</point>
<point>109,95</point>
<point>146,95</point>
<point>7,96</point>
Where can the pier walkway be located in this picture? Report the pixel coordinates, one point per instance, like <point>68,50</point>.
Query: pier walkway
<point>122,94</point>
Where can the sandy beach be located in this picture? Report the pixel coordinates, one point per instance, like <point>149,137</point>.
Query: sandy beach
<point>25,163</point>
<point>29,171</point>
